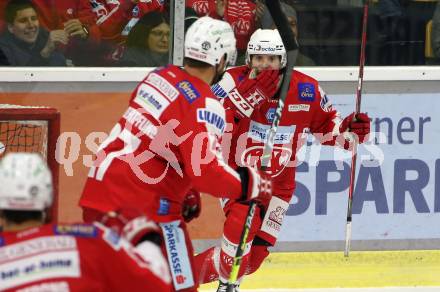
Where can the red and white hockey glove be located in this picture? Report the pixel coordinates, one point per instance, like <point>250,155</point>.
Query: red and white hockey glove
<point>358,124</point>
<point>191,205</point>
<point>132,225</point>
<point>256,185</point>
<point>141,229</point>
<point>252,92</point>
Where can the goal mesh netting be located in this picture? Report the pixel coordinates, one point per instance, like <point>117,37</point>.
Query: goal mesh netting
<point>31,129</point>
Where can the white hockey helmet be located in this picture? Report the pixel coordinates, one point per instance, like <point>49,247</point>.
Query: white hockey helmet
<point>208,39</point>
<point>266,42</point>
<point>26,182</point>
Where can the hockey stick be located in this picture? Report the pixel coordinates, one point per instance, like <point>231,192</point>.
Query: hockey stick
<point>354,150</point>
<point>291,46</point>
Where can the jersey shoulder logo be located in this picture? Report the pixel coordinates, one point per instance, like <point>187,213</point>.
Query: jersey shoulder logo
<point>306,91</point>
<point>188,90</point>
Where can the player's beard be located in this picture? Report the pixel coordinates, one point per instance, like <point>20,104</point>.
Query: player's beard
<point>218,74</point>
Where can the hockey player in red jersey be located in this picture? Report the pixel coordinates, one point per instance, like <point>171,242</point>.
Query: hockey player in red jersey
<point>250,93</point>
<point>35,256</point>
<point>167,142</point>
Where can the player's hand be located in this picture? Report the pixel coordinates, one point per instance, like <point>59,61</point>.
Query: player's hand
<point>358,124</point>
<point>191,206</point>
<point>256,185</point>
<point>253,91</point>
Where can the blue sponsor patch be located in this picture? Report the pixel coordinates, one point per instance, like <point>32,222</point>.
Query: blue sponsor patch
<point>79,230</point>
<point>206,116</point>
<point>112,237</point>
<point>2,241</point>
<point>164,207</point>
<point>270,115</point>
<point>219,91</point>
<point>240,77</point>
<point>188,90</point>
<point>306,91</point>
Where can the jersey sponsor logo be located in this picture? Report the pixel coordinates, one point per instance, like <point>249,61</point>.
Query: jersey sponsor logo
<point>2,241</point>
<point>177,253</point>
<point>274,216</point>
<point>211,118</point>
<point>280,158</point>
<point>258,132</point>
<point>42,266</point>
<point>79,230</point>
<point>163,86</point>
<point>270,115</point>
<point>112,238</point>
<point>164,206</point>
<point>306,91</point>
<point>151,100</point>
<point>36,246</point>
<point>188,91</point>
<point>140,121</point>
<point>219,91</point>
<point>299,107</point>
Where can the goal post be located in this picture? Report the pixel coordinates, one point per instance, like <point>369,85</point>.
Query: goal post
<point>32,129</point>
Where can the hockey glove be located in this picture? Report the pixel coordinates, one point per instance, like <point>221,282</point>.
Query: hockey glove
<point>358,124</point>
<point>142,229</point>
<point>256,185</point>
<point>191,206</point>
<point>132,225</point>
<point>251,92</point>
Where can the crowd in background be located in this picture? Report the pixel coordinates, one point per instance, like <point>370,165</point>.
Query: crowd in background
<point>137,32</point>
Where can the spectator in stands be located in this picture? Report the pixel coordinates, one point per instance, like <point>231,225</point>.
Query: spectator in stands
<point>25,43</point>
<point>76,17</point>
<point>240,14</point>
<point>292,18</point>
<point>115,19</point>
<point>148,42</point>
<point>436,32</point>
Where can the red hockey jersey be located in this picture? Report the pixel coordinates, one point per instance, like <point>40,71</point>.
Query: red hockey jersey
<point>78,257</point>
<point>53,14</point>
<point>113,15</point>
<point>164,144</point>
<point>306,109</point>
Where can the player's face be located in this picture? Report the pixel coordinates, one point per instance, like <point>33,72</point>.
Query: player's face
<point>158,39</point>
<point>264,62</point>
<point>25,26</point>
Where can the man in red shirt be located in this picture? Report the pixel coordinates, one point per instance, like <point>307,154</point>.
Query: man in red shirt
<point>35,256</point>
<point>307,109</point>
<point>240,14</point>
<point>167,142</point>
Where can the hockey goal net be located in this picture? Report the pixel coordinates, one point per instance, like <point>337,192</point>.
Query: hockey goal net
<point>32,129</point>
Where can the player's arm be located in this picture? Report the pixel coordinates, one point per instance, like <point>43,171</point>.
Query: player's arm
<point>328,126</point>
<point>203,158</point>
<point>244,96</point>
